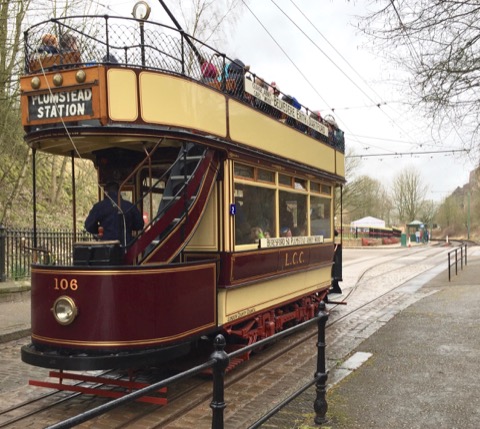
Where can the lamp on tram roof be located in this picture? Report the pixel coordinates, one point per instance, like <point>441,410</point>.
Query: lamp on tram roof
<point>141,11</point>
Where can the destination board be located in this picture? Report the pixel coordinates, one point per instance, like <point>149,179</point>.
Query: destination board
<point>289,241</point>
<point>58,105</point>
<point>272,100</point>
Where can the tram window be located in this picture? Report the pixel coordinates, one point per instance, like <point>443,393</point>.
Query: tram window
<point>315,187</point>
<point>266,176</point>
<point>320,216</point>
<point>300,184</point>
<point>154,189</point>
<point>285,180</point>
<point>292,214</point>
<point>244,171</point>
<point>127,195</point>
<point>255,213</point>
<point>326,189</point>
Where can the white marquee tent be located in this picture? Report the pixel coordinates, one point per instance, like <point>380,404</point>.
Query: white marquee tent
<point>368,222</point>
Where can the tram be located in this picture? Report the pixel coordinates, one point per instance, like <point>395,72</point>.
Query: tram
<point>238,186</point>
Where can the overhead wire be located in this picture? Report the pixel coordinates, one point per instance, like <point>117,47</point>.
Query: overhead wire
<point>298,69</point>
<point>451,151</point>
<point>413,52</point>
<point>353,69</point>
<point>378,104</point>
<point>324,53</point>
<point>293,62</point>
<point>284,52</point>
<point>336,51</point>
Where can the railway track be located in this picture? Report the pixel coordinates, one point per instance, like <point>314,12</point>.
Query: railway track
<point>275,372</point>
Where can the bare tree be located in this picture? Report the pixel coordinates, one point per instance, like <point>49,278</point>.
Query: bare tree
<point>408,194</point>
<point>438,41</point>
<point>12,149</point>
<point>15,157</point>
<point>365,197</point>
<point>428,212</point>
<point>209,20</point>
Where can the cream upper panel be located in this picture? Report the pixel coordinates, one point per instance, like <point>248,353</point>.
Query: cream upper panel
<point>269,134</point>
<point>162,99</point>
<point>122,95</point>
<point>172,100</point>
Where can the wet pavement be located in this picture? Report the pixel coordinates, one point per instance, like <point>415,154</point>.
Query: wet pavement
<point>14,310</point>
<point>418,370</point>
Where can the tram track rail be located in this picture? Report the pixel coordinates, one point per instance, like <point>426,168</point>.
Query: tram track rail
<point>362,279</point>
<point>25,404</point>
<point>196,392</point>
<point>295,341</point>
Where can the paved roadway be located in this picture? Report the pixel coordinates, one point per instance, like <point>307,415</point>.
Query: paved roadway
<point>422,360</point>
<point>365,274</point>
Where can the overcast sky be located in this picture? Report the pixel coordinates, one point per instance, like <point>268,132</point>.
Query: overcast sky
<point>310,67</point>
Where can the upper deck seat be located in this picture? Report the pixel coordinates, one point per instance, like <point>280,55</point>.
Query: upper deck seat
<point>50,61</point>
<point>230,85</point>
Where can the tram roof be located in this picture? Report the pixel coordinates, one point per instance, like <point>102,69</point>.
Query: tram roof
<point>117,41</point>
<point>107,46</point>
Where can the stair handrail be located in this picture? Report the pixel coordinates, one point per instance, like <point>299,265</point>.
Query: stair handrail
<point>148,229</point>
<point>149,190</point>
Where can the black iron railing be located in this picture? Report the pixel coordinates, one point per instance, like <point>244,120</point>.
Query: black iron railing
<point>456,257</point>
<point>218,361</point>
<point>18,250</point>
<point>90,40</point>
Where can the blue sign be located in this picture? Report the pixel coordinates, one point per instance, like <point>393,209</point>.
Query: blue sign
<point>233,209</point>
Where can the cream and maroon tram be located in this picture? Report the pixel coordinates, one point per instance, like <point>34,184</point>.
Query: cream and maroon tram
<point>238,185</point>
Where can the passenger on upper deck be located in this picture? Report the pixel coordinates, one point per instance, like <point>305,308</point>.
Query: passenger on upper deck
<point>69,48</point>
<point>236,71</point>
<point>318,117</point>
<point>208,69</point>
<point>68,43</point>
<point>117,223</point>
<point>335,134</point>
<point>293,102</point>
<point>49,44</point>
<point>110,58</point>
<point>272,111</point>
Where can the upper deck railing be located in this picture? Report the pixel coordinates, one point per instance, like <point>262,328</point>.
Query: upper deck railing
<point>88,40</point>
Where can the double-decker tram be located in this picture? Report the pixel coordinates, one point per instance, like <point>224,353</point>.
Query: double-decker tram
<point>237,184</point>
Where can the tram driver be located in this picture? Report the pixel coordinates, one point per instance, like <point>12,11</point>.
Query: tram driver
<point>117,223</point>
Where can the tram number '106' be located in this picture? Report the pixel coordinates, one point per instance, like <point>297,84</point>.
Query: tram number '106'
<point>64,284</point>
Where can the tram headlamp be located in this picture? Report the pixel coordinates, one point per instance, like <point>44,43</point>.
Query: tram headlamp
<point>64,310</point>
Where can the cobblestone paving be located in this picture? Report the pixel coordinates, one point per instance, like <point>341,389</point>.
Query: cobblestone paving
<point>256,394</point>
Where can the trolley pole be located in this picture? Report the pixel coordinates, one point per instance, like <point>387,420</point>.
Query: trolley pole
<point>320,405</point>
